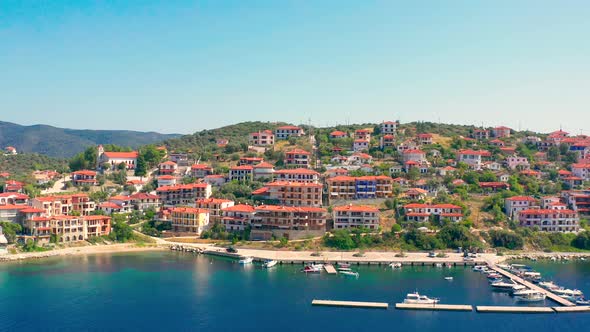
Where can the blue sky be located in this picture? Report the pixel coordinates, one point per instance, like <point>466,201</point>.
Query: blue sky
<point>182,66</point>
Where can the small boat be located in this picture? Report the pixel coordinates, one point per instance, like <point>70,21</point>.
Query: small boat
<point>582,301</point>
<point>415,298</point>
<point>582,258</point>
<point>568,292</point>
<point>480,268</point>
<point>549,285</point>
<point>449,278</point>
<point>494,276</point>
<point>246,260</point>
<point>344,269</point>
<point>343,265</point>
<point>530,296</point>
<point>350,273</point>
<point>269,264</point>
<point>510,286</point>
<point>311,269</point>
<point>395,265</point>
<point>503,266</point>
<point>568,297</point>
<point>438,265</point>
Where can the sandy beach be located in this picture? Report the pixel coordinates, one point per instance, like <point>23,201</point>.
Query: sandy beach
<point>87,250</point>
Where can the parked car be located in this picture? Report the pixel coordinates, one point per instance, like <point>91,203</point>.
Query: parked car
<point>432,254</point>
<point>231,250</point>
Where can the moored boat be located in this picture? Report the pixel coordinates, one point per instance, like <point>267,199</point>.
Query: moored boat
<point>449,278</point>
<point>395,265</point>
<point>480,268</point>
<point>270,263</point>
<point>582,301</point>
<point>349,273</point>
<point>246,260</point>
<point>311,269</point>
<point>415,298</point>
<point>530,296</point>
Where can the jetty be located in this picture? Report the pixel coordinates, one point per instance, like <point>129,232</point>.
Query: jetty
<point>571,309</point>
<point>350,304</point>
<point>436,307</point>
<point>532,286</point>
<point>330,269</point>
<point>515,310</point>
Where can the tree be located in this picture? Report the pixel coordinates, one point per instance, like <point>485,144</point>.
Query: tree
<point>506,239</point>
<point>121,231</point>
<point>455,236</point>
<point>141,166</point>
<point>10,230</point>
<point>340,239</point>
<point>582,240</point>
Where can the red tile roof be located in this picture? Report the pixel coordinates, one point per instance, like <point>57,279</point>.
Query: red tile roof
<point>122,155</point>
<point>356,208</point>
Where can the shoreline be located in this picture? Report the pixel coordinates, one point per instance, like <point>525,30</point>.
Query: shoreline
<point>79,251</point>
<point>290,255</point>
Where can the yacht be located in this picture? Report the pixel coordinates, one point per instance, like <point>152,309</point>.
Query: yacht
<point>270,263</point>
<point>582,301</point>
<point>246,260</point>
<point>415,298</point>
<point>530,296</point>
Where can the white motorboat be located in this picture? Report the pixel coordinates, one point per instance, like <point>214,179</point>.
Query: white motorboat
<point>480,268</point>
<point>568,292</point>
<point>504,266</point>
<point>549,285</point>
<point>582,301</point>
<point>415,298</point>
<point>510,286</point>
<point>246,260</point>
<point>449,278</point>
<point>269,264</point>
<point>349,273</point>
<point>530,296</point>
<point>395,265</point>
<point>438,265</point>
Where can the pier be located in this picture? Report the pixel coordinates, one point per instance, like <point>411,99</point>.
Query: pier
<point>571,309</point>
<point>532,286</point>
<point>330,269</point>
<point>515,310</point>
<point>436,307</point>
<point>350,304</point>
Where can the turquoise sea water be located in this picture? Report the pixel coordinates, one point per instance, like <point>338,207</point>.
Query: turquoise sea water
<point>169,291</point>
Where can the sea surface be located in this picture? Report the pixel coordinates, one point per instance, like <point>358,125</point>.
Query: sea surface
<point>170,291</point>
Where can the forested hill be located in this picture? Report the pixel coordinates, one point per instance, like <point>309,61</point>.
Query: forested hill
<point>236,134</point>
<point>64,143</point>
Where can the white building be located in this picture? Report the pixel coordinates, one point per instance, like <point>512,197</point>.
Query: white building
<point>350,216</point>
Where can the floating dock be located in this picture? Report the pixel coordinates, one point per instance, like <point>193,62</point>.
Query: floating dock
<point>350,304</point>
<point>516,310</point>
<point>330,269</point>
<point>532,286</point>
<point>571,309</point>
<point>436,307</point>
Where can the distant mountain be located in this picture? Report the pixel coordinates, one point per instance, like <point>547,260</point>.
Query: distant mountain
<point>64,143</point>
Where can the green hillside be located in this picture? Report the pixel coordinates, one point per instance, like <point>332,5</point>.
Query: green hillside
<point>64,143</point>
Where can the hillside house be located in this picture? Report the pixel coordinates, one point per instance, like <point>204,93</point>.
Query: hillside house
<point>297,158</point>
<point>355,216</point>
<point>389,127</point>
<point>284,132</point>
<point>262,138</point>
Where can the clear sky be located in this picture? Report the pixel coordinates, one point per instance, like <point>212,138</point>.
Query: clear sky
<point>182,66</point>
